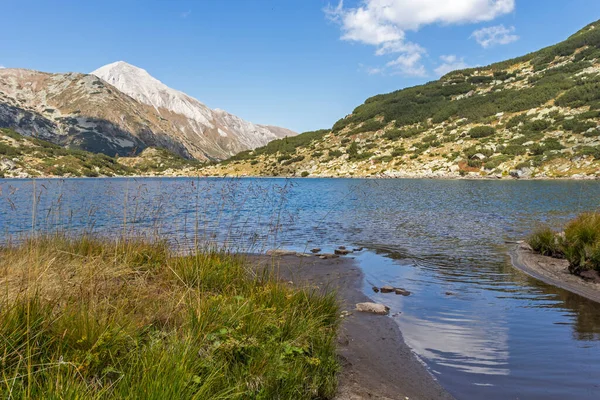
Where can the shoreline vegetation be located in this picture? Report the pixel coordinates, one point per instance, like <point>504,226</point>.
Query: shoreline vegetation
<point>128,318</point>
<point>569,259</point>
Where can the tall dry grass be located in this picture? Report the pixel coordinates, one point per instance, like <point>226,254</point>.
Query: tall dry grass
<point>89,318</point>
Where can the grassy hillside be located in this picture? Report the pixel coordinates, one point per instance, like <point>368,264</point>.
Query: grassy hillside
<point>532,116</point>
<point>23,156</point>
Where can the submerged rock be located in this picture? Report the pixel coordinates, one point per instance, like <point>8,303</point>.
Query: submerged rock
<point>375,289</point>
<point>401,291</point>
<point>315,250</point>
<point>374,308</point>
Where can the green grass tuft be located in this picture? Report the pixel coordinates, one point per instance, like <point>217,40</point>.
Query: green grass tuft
<point>129,319</point>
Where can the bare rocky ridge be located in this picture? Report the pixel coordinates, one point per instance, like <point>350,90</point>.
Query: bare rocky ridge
<point>84,111</point>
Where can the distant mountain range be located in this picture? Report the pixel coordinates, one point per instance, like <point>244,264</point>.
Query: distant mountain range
<point>120,109</point>
<point>536,116</point>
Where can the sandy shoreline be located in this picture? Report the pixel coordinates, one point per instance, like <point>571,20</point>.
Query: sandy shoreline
<point>376,363</point>
<point>552,271</point>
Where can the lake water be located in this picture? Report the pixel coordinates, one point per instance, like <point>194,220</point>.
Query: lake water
<point>484,329</point>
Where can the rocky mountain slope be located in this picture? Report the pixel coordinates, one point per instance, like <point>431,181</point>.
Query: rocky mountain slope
<point>83,111</point>
<point>26,157</point>
<point>231,133</point>
<point>534,116</point>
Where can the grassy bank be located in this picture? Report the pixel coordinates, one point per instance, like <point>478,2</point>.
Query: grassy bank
<point>100,319</point>
<point>579,243</point>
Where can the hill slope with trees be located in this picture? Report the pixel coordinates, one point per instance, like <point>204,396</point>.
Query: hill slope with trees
<point>533,116</point>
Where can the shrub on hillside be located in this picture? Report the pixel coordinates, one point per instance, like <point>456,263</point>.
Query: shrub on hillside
<point>481,132</point>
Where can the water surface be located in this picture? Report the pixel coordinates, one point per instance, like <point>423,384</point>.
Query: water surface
<point>484,329</point>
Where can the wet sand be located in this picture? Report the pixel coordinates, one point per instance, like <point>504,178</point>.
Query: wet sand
<point>553,271</point>
<point>376,363</point>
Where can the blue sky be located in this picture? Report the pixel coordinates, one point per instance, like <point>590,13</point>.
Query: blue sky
<point>301,64</point>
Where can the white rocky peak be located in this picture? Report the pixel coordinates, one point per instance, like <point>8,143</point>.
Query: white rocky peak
<point>139,84</point>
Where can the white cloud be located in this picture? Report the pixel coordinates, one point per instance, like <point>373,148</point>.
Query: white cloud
<point>407,64</point>
<point>370,70</point>
<point>383,24</point>
<point>493,35</point>
<point>2,66</point>
<point>450,63</point>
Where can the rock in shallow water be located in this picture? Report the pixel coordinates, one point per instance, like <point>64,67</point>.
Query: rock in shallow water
<point>374,308</point>
<point>342,252</point>
<point>386,289</point>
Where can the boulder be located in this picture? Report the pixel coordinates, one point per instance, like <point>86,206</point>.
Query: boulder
<point>315,250</point>
<point>375,289</point>
<point>7,165</point>
<point>515,173</point>
<point>402,292</point>
<point>374,308</point>
<point>342,252</point>
<point>386,289</point>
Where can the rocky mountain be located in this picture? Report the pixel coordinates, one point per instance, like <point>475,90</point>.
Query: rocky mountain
<point>230,132</point>
<point>26,157</point>
<point>536,116</point>
<point>84,111</point>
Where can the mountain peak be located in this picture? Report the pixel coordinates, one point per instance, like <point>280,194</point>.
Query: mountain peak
<point>121,67</point>
<point>134,81</point>
<point>139,84</point>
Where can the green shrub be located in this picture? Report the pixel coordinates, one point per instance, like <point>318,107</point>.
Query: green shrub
<point>9,151</point>
<point>292,160</point>
<point>538,125</point>
<point>370,126</point>
<point>480,79</point>
<point>474,163</point>
<point>398,152</point>
<point>593,151</point>
<point>513,150</point>
<point>516,120</point>
<point>578,126</point>
<point>496,161</point>
<point>304,174</point>
<point>481,131</point>
<point>287,145</point>
<point>334,153</point>
<point>582,243</point>
<point>545,241</point>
